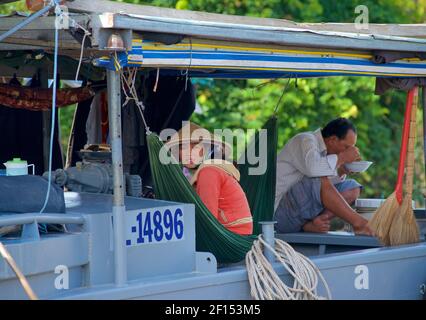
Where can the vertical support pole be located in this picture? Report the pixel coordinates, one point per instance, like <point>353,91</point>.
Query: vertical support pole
<point>268,233</point>
<point>30,231</point>
<point>47,121</point>
<point>424,132</point>
<point>118,208</point>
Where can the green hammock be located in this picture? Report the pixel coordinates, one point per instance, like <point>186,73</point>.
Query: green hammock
<point>211,236</point>
<point>260,189</point>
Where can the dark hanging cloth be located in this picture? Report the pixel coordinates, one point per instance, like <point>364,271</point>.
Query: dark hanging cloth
<point>385,84</point>
<point>170,104</point>
<point>78,135</point>
<point>381,57</point>
<point>173,102</point>
<point>21,135</point>
<point>133,137</point>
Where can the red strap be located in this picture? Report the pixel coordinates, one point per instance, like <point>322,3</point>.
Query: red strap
<point>404,143</point>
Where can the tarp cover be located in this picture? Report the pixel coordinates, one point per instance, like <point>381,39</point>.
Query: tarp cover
<point>21,194</point>
<point>239,60</point>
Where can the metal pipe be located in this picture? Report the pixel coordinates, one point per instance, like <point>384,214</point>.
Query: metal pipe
<point>424,132</point>
<point>118,208</point>
<point>248,27</point>
<point>27,21</point>
<point>268,234</point>
<point>258,35</point>
<point>54,218</point>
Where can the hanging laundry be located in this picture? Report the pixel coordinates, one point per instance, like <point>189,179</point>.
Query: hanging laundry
<point>41,99</point>
<point>78,135</point>
<point>21,133</point>
<point>94,120</point>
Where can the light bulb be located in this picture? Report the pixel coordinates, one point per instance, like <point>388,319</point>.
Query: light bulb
<point>115,42</point>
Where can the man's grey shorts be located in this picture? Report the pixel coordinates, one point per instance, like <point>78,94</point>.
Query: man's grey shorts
<point>303,203</point>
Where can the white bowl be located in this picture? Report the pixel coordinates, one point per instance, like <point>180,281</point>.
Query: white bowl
<point>358,166</point>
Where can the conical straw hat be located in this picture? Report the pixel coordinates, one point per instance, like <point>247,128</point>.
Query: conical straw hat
<point>193,133</point>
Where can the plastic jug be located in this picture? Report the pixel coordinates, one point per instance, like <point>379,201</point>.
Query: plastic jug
<point>17,167</point>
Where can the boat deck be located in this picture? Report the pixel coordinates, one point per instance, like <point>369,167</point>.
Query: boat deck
<point>174,270</point>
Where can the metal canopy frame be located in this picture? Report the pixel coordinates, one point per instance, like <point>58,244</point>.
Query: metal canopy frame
<point>99,15</point>
<point>258,34</point>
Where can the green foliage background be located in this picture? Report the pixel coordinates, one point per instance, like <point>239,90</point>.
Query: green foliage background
<point>313,102</point>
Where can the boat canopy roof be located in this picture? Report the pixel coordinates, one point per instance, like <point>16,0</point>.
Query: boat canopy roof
<point>219,59</point>
<point>226,46</point>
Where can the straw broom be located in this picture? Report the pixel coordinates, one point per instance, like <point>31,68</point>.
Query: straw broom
<point>404,228</point>
<point>383,217</point>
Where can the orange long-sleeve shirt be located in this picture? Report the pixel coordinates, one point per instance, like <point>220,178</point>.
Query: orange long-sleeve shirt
<point>226,200</point>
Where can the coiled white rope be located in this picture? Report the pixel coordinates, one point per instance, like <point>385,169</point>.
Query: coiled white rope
<point>266,284</point>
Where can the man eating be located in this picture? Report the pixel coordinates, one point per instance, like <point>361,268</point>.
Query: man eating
<point>311,183</point>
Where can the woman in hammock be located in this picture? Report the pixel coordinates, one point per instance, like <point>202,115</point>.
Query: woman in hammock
<point>215,180</point>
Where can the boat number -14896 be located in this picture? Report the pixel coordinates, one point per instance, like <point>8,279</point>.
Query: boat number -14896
<point>154,226</point>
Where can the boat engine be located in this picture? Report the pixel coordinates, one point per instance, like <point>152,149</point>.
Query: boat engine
<point>94,174</point>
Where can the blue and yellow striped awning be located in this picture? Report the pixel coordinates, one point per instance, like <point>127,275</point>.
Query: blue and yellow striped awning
<point>222,60</point>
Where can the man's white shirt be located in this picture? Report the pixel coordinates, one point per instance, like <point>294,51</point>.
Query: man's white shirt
<point>304,155</point>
